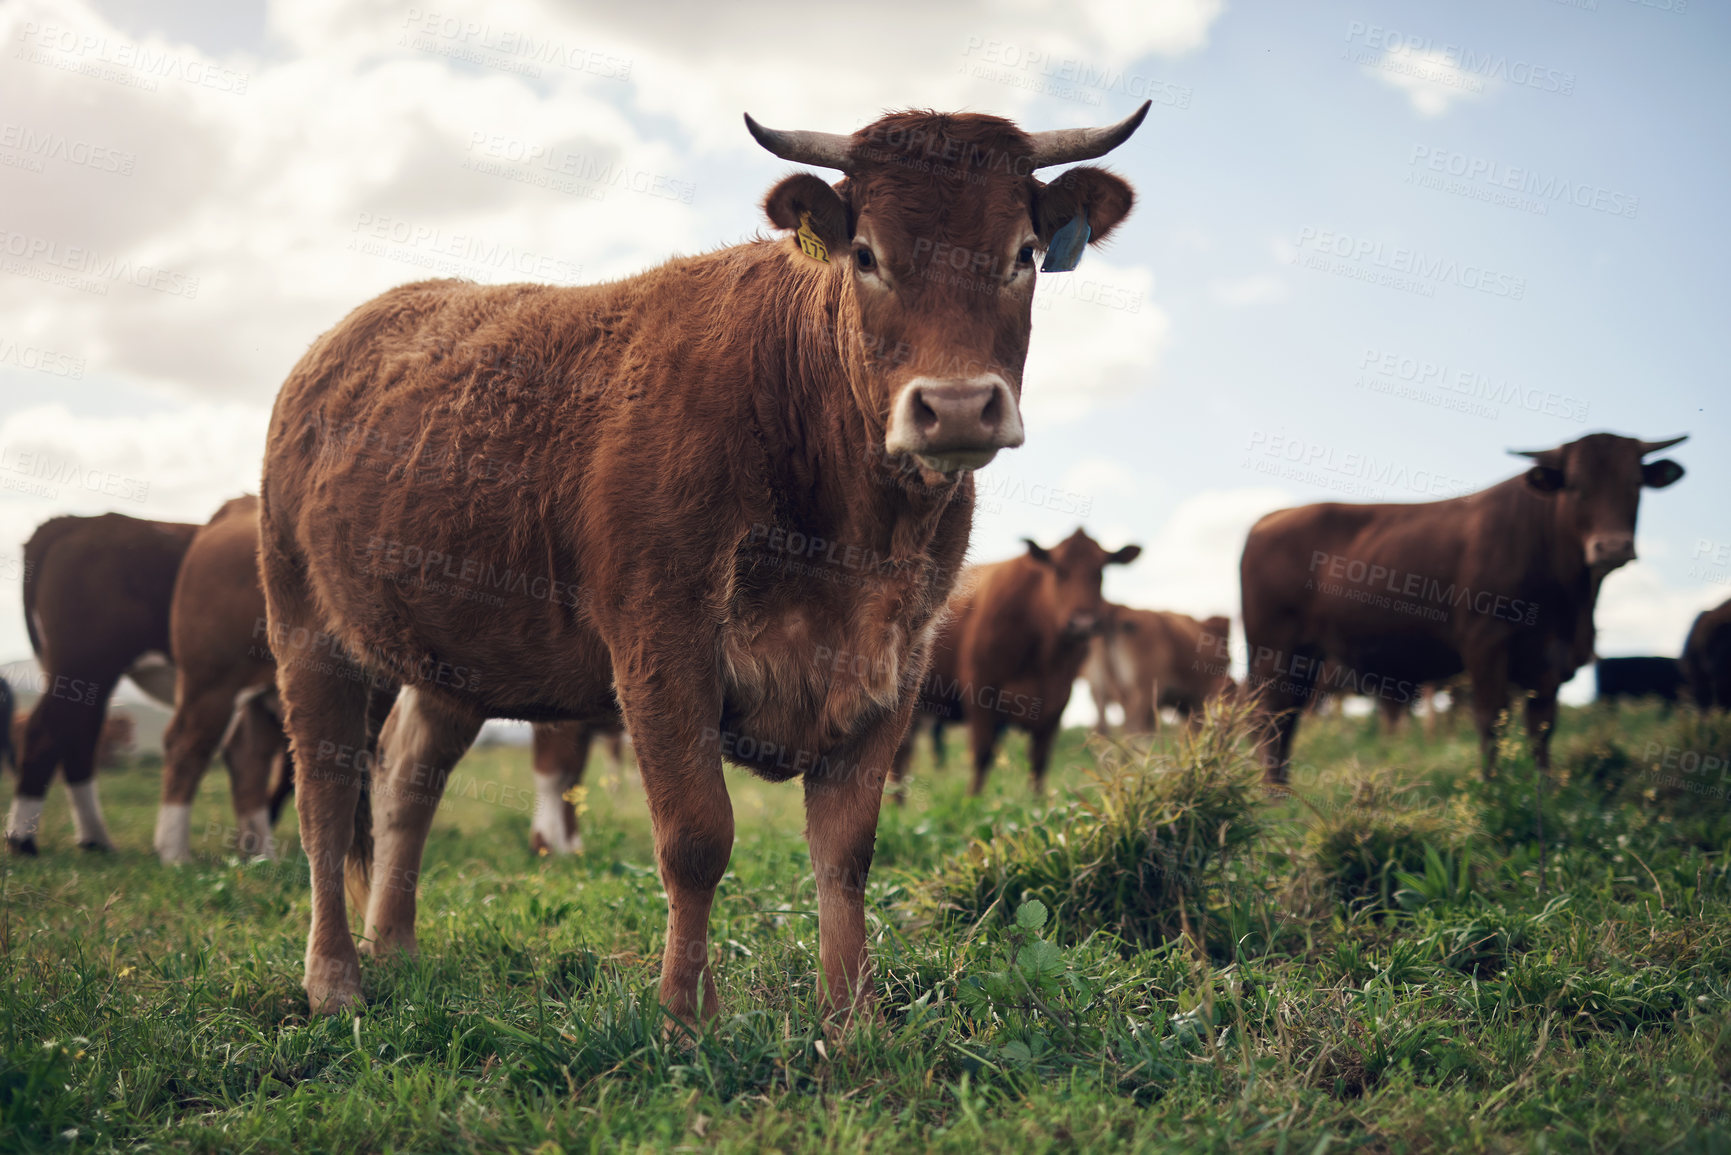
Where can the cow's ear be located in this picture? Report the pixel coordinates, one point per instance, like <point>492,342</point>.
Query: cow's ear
<point>1659,474</point>
<point>787,204</point>
<point>1545,479</point>
<point>1038,552</point>
<point>1124,556</point>
<point>1105,198</point>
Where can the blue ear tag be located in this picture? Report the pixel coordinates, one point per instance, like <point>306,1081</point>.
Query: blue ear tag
<point>1065,251</point>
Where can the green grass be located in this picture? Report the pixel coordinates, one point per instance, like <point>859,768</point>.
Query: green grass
<point>1453,1009</point>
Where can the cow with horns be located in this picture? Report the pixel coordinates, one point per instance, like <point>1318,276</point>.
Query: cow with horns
<point>622,470</point>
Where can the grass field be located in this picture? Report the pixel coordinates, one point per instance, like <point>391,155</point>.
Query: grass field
<point>1371,968</point>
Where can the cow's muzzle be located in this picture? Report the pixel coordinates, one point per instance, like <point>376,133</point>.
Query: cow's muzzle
<point>952,424</point>
<point>1609,550</point>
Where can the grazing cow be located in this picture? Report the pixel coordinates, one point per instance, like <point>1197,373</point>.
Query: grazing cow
<point>225,689</point>
<point>1636,678</point>
<point>1014,646</point>
<point>96,597</point>
<point>1149,660</point>
<point>658,499</point>
<point>1707,658</point>
<point>1379,599</point>
<point>561,753</point>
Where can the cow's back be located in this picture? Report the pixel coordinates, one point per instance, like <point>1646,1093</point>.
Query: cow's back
<point>218,616</point>
<point>98,589</point>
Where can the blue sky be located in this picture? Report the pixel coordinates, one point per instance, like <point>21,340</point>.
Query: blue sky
<point>292,161</point>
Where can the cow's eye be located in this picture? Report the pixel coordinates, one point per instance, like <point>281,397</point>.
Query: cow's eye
<point>862,257</point>
<point>1026,256</point>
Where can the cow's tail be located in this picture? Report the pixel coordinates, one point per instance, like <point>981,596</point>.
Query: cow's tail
<point>358,868</point>
<point>35,552</point>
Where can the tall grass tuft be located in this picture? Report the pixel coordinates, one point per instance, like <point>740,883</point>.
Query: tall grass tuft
<point>1355,849</point>
<point>1141,851</point>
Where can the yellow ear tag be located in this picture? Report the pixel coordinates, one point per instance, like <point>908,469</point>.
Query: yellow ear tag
<point>809,242</point>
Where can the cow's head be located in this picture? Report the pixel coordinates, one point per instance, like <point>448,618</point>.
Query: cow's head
<point>1077,565</point>
<point>1597,482</point>
<point>931,241</point>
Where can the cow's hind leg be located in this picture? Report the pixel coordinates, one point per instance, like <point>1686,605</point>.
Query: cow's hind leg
<point>325,704</point>
<point>199,723</point>
<point>79,769</point>
<point>255,741</point>
<point>422,740</point>
<point>561,755</point>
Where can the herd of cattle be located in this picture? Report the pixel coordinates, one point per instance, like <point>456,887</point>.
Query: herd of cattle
<point>722,506</point>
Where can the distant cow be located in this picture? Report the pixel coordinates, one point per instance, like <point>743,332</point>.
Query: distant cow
<point>1014,645</point>
<point>1379,599</point>
<point>560,755</point>
<point>1149,660</point>
<point>657,498</point>
<point>96,597</point>
<point>225,687</point>
<point>1637,678</point>
<point>1706,660</point>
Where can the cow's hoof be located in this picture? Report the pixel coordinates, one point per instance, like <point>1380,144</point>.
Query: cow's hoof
<point>333,986</point>
<point>98,847</point>
<point>22,847</point>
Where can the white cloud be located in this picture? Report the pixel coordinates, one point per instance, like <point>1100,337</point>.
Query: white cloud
<point>1098,336</point>
<point>1256,289</point>
<point>1431,81</point>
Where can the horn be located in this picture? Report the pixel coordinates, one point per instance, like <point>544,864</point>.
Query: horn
<point>823,149</point>
<point>1063,145</point>
<point>1654,446</point>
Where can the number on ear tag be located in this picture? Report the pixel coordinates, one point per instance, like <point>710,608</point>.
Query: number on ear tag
<point>809,242</point>
<point>1065,251</point>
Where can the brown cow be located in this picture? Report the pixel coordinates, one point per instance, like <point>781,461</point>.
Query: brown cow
<point>581,503</point>
<point>1707,658</point>
<point>1151,660</point>
<point>560,755</point>
<point>1014,645</point>
<point>225,687</point>
<point>1380,599</point>
<point>96,595</point>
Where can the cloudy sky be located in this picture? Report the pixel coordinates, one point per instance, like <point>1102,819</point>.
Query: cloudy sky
<point>1377,245</point>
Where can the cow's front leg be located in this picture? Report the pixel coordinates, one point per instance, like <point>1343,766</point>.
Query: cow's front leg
<point>672,706</point>
<point>842,799</point>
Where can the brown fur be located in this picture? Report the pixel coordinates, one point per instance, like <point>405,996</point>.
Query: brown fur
<point>645,444</point>
<point>1524,541</point>
<point>560,753</point>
